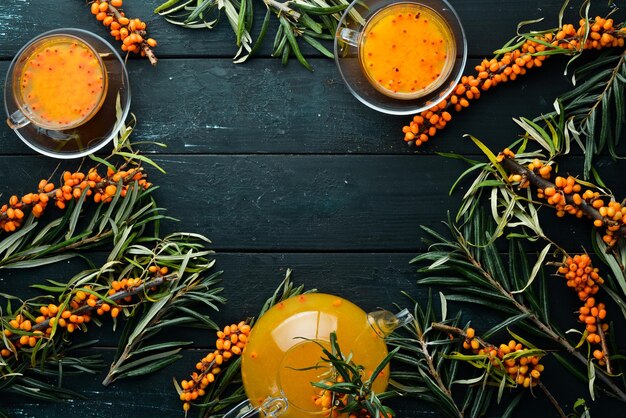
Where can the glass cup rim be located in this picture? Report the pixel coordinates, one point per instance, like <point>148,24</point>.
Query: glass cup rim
<point>411,108</point>
<point>33,43</point>
<point>76,32</point>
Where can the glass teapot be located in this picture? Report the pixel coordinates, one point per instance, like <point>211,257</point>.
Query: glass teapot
<point>285,343</point>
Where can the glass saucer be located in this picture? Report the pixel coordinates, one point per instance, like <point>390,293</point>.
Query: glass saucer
<point>101,128</point>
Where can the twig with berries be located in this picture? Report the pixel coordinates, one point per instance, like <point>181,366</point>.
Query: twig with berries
<point>24,332</point>
<point>520,363</point>
<point>566,196</point>
<point>529,51</point>
<point>155,285</point>
<point>132,32</point>
<point>230,343</point>
<point>102,188</point>
<point>477,273</point>
<point>511,362</point>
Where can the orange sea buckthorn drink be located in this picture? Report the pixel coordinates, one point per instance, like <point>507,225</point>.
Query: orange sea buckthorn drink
<point>285,343</point>
<point>400,56</point>
<point>406,50</point>
<point>60,83</point>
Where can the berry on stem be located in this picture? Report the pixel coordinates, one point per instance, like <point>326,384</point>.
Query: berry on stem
<point>230,342</point>
<point>132,32</point>
<point>102,188</point>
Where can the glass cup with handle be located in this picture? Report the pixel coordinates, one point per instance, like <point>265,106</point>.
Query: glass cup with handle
<point>400,57</point>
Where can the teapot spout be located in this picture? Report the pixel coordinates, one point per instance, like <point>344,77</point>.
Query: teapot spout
<point>384,322</point>
<point>271,408</point>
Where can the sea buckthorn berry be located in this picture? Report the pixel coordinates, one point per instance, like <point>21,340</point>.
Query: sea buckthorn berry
<point>470,332</point>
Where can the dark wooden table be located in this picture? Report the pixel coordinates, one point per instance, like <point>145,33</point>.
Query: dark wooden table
<point>281,168</point>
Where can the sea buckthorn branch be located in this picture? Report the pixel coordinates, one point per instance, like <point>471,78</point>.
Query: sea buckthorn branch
<point>530,52</point>
<point>132,32</point>
<point>421,369</point>
<point>182,301</point>
<point>310,21</point>
<point>153,294</point>
<point>516,364</point>
<point>512,360</point>
<point>25,329</point>
<point>103,189</point>
<point>230,343</point>
<point>566,196</point>
<point>478,275</point>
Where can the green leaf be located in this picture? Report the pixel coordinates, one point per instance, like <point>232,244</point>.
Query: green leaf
<point>150,367</point>
<point>241,21</point>
<point>315,44</point>
<point>160,346</point>
<point>39,262</point>
<point>538,265</point>
<point>505,324</point>
<point>262,33</point>
<point>294,44</point>
<point>490,155</point>
<point>591,376</point>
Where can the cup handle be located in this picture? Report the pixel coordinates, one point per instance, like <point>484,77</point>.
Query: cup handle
<point>349,36</point>
<point>384,322</point>
<point>17,120</point>
<point>271,408</point>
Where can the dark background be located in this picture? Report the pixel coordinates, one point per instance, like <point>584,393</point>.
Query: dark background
<point>282,167</point>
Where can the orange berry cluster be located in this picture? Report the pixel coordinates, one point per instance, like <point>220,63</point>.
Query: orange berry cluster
<point>582,277</point>
<point>230,342</point>
<point>490,73</point>
<point>132,32</point>
<point>74,185</point>
<point>29,337</point>
<point>538,167</point>
<point>567,197</point>
<point>524,370</point>
<point>83,303</point>
<point>331,403</point>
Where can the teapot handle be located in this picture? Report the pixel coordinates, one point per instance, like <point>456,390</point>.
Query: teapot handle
<point>272,407</point>
<point>384,322</point>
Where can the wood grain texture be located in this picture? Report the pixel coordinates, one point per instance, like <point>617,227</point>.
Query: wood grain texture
<point>155,396</point>
<point>307,203</point>
<point>263,107</point>
<point>372,280</point>
<point>487,25</point>
<point>284,168</point>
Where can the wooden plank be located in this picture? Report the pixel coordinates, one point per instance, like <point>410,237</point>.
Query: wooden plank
<point>155,396</point>
<point>310,203</point>
<point>487,27</point>
<point>371,280</point>
<point>379,276</point>
<point>263,107</point>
